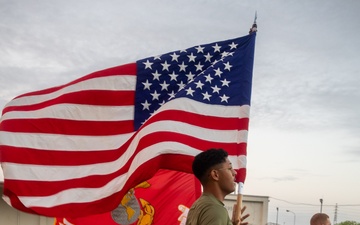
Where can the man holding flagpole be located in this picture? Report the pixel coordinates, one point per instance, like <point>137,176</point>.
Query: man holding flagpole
<point>216,174</point>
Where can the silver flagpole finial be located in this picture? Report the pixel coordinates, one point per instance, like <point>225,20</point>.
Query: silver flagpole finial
<point>254,26</point>
<point>255,17</point>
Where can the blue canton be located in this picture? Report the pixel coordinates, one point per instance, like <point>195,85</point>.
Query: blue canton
<point>218,73</point>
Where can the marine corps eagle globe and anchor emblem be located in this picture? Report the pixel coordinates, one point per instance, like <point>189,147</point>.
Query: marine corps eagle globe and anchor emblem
<point>129,209</point>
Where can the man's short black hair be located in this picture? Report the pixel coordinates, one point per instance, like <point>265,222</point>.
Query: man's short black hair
<point>207,159</point>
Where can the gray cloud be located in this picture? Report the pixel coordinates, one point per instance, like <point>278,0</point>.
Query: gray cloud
<point>304,75</point>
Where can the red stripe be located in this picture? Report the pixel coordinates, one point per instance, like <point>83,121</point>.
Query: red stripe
<point>74,127</point>
<point>45,157</point>
<point>98,97</point>
<point>128,69</point>
<point>205,121</point>
<point>241,175</point>
<point>68,127</point>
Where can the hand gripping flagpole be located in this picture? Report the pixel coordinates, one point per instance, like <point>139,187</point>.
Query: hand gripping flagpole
<point>238,207</point>
<point>239,200</point>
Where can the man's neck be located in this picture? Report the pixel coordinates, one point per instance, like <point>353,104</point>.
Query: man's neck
<point>216,193</point>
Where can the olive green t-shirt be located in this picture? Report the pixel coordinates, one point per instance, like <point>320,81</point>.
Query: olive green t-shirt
<point>207,210</point>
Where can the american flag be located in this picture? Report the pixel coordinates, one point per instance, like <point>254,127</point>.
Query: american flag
<point>76,149</point>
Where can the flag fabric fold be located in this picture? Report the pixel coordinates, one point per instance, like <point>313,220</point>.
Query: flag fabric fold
<point>164,199</point>
<point>76,149</point>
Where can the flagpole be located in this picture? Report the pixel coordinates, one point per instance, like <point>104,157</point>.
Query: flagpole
<point>240,191</point>
<point>239,201</point>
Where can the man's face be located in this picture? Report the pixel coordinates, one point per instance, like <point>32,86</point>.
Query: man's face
<point>226,177</point>
<point>327,222</point>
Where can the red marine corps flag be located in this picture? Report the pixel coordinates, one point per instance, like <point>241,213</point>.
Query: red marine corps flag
<point>164,199</point>
<point>77,149</point>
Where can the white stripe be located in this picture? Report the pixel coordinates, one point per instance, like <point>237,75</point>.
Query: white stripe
<point>83,195</point>
<point>75,112</point>
<point>189,105</point>
<point>118,113</point>
<point>63,142</point>
<point>115,82</point>
<point>76,195</point>
<point>6,199</point>
<point>238,162</point>
<point>221,136</point>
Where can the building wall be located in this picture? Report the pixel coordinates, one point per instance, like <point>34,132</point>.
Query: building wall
<point>257,207</point>
<point>11,216</point>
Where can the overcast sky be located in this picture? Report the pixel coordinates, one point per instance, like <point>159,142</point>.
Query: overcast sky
<point>304,138</point>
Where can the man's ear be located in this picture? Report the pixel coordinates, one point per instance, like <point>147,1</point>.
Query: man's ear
<point>214,174</point>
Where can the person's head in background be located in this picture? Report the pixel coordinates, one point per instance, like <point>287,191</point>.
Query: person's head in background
<point>320,219</point>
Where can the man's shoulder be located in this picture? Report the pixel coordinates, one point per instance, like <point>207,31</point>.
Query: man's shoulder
<point>207,210</point>
<point>208,203</point>
<point>210,198</point>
